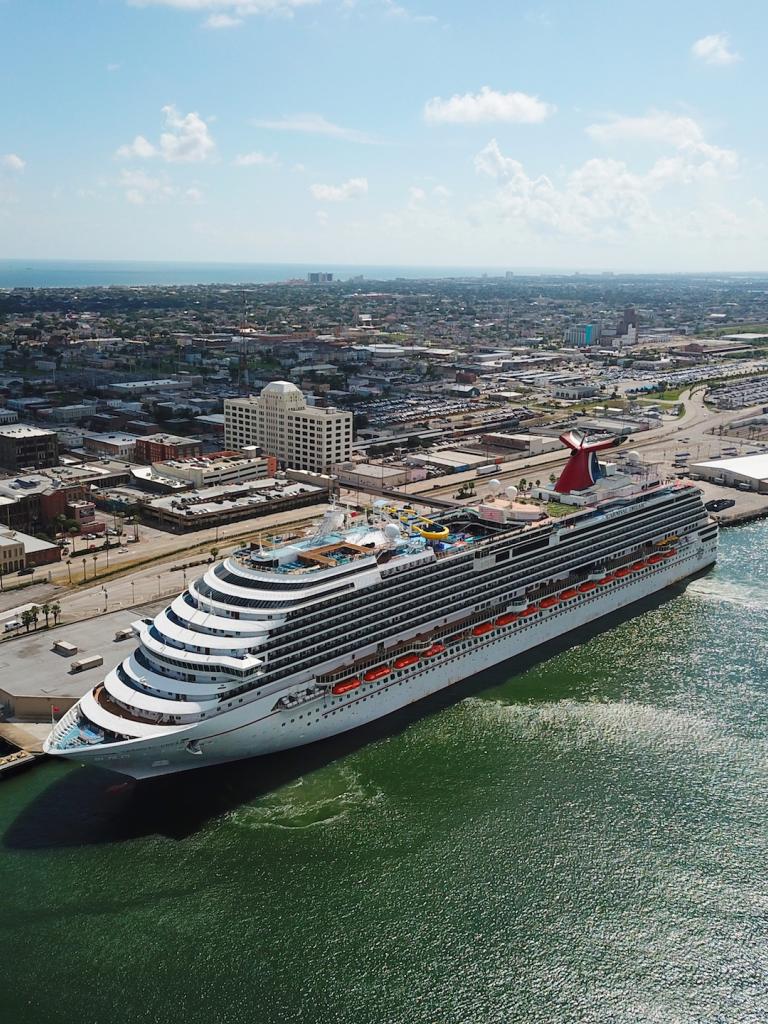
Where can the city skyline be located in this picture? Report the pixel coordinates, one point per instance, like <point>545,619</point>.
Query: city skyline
<point>364,131</point>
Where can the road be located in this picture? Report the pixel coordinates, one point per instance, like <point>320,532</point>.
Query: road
<point>145,582</point>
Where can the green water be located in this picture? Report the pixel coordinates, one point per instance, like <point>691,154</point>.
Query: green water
<point>582,842</point>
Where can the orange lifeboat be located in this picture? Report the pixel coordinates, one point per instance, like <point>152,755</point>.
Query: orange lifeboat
<point>566,595</point>
<point>638,566</point>
<point>670,553</point>
<point>655,559</point>
<point>484,627</point>
<point>506,619</point>
<point>376,673</point>
<point>549,602</point>
<point>585,587</point>
<point>406,660</point>
<point>621,573</point>
<point>434,650</point>
<point>606,580</point>
<point>530,610</point>
<point>346,686</point>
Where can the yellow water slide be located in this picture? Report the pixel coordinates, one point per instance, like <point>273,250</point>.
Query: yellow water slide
<point>422,525</point>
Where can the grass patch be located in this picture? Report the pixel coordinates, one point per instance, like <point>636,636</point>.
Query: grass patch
<point>555,509</point>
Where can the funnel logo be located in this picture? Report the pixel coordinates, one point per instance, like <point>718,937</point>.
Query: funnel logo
<point>582,469</point>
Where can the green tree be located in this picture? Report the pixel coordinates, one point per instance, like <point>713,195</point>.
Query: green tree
<point>214,552</point>
<point>26,618</point>
<point>46,610</point>
<point>55,611</point>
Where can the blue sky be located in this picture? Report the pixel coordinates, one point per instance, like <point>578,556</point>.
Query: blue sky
<point>585,134</point>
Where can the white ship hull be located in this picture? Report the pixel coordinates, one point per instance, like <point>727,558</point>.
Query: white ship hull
<point>258,728</point>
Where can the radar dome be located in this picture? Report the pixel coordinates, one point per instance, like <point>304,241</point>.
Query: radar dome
<point>494,486</point>
<point>392,531</point>
<point>381,503</point>
<point>633,456</point>
<point>511,492</point>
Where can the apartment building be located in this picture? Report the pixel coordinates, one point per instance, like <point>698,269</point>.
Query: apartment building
<point>280,422</point>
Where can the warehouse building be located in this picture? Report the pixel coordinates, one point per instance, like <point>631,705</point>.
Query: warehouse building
<point>747,472</point>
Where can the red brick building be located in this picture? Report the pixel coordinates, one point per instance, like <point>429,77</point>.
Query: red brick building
<point>160,447</point>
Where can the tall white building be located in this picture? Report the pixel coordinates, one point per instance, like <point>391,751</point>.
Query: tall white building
<point>281,423</point>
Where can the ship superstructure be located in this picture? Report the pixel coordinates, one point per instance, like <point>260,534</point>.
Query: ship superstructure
<point>275,648</point>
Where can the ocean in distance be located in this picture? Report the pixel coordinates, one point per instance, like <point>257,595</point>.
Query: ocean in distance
<point>573,838</point>
<point>102,273</point>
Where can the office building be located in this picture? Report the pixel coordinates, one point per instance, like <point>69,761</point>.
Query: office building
<point>23,446</point>
<point>280,422</point>
<point>582,335</point>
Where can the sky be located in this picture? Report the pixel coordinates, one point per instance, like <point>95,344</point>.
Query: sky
<point>587,134</point>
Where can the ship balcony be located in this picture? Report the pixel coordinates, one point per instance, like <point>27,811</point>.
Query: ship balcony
<point>103,712</point>
<point>153,708</point>
<point>153,642</point>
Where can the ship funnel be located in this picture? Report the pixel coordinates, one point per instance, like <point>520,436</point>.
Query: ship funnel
<point>582,469</point>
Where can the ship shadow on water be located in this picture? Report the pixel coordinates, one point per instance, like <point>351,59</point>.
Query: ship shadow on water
<point>89,806</point>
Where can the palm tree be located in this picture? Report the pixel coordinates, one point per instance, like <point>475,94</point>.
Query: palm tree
<point>34,611</point>
<point>55,611</point>
<point>26,618</point>
<point>214,552</point>
<point>523,484</point>
<point>46,610</point>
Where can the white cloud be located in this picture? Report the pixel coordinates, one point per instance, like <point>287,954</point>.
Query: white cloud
<point>193,195</point>
<point>255,160</point>
<point>140,147</point>
<point>355,188</point>
<point>395,10</point>
<point>313,124</point>
<point>416,194</point>
<point>441,192</point>
<point>599,198</point>
<point>696,158</point>
<point>113,67</point>
<point>222,21</point>
<point>229,13</point>
<point>322,217</point>
<point>186,140</point>
<point>140,188</point>
<point>715,49</point>
<point>13,162</point>
<point>485,106</point>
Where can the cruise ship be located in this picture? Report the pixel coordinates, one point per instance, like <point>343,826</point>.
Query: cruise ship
<point>275,648</point>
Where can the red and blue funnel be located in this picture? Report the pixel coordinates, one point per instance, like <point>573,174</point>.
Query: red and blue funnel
<point>582,469</point>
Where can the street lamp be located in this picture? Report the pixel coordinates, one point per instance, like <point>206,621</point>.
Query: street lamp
<point>133,592</point>
<point>84,571</point>
<point>69,569</point>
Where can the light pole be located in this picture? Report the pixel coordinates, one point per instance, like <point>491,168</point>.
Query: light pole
<point>84,571</point>
<point>133,592</point>
<point>158,586</point>
<point>94,564</point>
<point>69,569</point>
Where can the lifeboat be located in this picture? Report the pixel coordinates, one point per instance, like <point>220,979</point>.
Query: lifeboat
<point>484,627</point>
<point>621,573</point>
<point>346,686</point>
<point>638,566</point>
<point>406,660</point>
<point>584,588</point>
<point>566,595</point>
<point>434,650</point>
<point>549,602</point>
<point>506,619</point>
<point>606,580</point>
<point>655,559</point>
<point>530,610</point>
<point>671,552</point>
<point>376,673</point>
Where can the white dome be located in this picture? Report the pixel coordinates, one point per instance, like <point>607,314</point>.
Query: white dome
<point>511,492</point>
<point>633,456</point>
<point>494,486</point>
<point>279,387</point>
<point>392,531</point>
